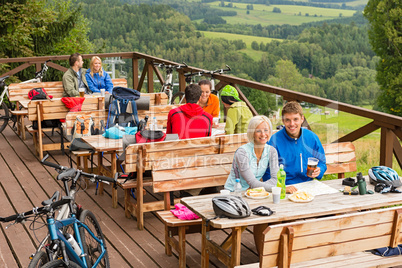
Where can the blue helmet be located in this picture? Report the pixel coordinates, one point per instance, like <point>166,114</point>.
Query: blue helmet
<point>385,175</point>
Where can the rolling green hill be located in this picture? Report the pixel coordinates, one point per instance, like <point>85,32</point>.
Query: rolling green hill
<point>248,39</point>
<point>290,14</point>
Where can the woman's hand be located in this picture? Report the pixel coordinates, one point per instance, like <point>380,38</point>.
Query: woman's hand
<point>290,189</point>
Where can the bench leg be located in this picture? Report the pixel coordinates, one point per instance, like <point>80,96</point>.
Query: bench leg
<point>182,247</point>
<point>127,194</point>
<point>168,246</point>
<point>85,163</point>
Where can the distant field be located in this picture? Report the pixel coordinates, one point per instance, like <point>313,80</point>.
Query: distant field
<point>294,15</point>
<point>248,39</point>
<point>349,3</point>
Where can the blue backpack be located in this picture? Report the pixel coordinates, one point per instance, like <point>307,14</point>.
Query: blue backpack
<point>122,107</point>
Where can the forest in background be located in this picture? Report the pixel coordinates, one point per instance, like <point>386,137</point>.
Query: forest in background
<point>331,60</point>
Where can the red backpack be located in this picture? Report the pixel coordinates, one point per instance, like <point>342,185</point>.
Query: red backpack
<point>38,93</point>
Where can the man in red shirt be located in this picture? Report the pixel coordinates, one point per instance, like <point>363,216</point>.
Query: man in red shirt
<point>190,120</point>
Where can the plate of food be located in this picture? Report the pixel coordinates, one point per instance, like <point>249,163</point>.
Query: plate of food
<point>301,197</point>
<point>257,193</point>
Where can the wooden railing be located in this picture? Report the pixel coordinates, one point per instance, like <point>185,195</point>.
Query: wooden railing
<point>390,125</point>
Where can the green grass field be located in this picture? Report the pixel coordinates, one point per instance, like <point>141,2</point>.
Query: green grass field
<point>248,39</point>
<point>333,126</point>
<point>294,15</point>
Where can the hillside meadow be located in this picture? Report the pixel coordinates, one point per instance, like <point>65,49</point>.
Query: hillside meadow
<point>335,125</point>
<point>248,39</point>
<point>290,14</point>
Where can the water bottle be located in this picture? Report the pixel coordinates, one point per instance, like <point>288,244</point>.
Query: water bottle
<point>74,244</point>
<point>143,123</point>
<point>281,182</point>
<point>238,188</point>
<point>152,125</point>
<point>361,182</point>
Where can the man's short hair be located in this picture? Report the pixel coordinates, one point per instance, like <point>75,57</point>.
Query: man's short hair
<point>73,58</point>
<point>205,82</point>
<point>193,93</point>
<point>292,107</point>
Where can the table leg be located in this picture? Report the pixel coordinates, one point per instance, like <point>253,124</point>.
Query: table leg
<point>236,246</point>
<point>114,170</point>
<point>100,165</point>
<point>204,252</point>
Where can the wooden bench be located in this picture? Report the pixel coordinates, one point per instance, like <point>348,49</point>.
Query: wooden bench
<point>341,158</point>
<point>184,173</point>
<point>19,93</point>
<point>142,157</point>
<point>337,241</point>
<point>54,109</point>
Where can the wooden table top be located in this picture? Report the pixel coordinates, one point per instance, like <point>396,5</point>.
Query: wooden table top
<point>287,210</point>
<point>102,144</point>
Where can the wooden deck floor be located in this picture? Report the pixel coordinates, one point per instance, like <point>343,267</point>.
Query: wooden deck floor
<point>24,183</point>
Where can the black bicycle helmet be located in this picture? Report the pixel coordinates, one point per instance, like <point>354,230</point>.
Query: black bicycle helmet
<point>230,206</point>
<point>385,175</point>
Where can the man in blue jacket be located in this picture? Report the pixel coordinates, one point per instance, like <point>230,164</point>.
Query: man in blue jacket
<point>295,145</point>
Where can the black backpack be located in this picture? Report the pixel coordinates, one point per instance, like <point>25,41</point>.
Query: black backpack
<point>122,107</point>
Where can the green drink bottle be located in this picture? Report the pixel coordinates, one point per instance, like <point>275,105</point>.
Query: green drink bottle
<point>281,181</point>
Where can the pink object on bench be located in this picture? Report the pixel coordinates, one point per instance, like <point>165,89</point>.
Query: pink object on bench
<point>183,213</point>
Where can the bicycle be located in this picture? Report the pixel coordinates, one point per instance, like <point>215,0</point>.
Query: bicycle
<point>167,86</point>
<point>6,106</point>
<point>71,224</point>
<point>180,96</point>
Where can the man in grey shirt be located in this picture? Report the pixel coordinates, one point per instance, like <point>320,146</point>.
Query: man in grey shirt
<point>74,77</point>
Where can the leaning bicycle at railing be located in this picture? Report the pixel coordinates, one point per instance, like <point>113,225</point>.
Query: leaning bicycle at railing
<point>179,97</point>
<point>74,238</point>
<point>167,86</point>
<point>6,106</point>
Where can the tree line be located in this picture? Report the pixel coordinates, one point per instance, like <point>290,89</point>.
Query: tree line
<point>328,60</point>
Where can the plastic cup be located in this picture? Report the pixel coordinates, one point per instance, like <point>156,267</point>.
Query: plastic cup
<point>312,163</point>
<point>82,91</point>
<point>215,121</point>
<point>276,194</point>
<point>225,192</point>
<point>102,92</point>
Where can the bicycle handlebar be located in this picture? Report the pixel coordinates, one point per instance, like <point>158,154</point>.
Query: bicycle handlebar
<point>169,66</point>
<point>71,172</point>
<point>200,73</point>
<point>19,217</point>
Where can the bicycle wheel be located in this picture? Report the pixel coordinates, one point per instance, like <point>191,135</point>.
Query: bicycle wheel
<point>178,98</point>
<point>91,247</point>
<point>4,116</point>
<point>60,263</point>
<point>38,260</point>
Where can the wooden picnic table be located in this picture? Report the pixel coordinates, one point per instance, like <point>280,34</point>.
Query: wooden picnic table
<point>321,205</point>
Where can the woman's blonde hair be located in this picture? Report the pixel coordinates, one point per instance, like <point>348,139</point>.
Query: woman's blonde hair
<point>254,123</point>
<point>91,66</point>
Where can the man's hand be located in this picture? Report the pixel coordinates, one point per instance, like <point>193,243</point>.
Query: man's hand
<point>316,172</point>
<point>290,189</point>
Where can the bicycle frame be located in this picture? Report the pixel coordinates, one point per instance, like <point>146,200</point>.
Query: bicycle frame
<point>5,92</point>
<point>54,227</point>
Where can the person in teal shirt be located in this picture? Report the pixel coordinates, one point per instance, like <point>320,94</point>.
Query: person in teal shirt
<point>238,115</point>
<point>252,159</point>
